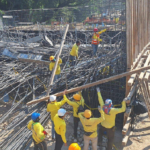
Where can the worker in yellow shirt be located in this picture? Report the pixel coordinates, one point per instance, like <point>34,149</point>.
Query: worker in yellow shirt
<point>58,69</point>
<point>38,132</point>
<point>96,40</point>
<point>53,108</point>
<point>74,53</point>
<point>90,127</point>
<point>108,125</point>
<point>74,146</point>
<point>76,104</point>
<point>60,129</point>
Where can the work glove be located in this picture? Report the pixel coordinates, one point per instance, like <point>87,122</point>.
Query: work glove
<point>98,89</point>
<point>45,133</point>
<point>99,108</point>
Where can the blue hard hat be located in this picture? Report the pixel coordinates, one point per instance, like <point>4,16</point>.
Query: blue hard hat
<point>34,116</point>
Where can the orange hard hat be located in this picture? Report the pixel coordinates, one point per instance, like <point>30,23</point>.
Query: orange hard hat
<point>87,113</point>
<point>74,146</point>
<point>51,58</point>
<point>77,97</point>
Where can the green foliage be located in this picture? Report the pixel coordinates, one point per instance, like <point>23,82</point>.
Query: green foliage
<point>34,4</point>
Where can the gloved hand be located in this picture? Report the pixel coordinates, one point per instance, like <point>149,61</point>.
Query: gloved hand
<point>45,133</point>
<point>98,89</point>
<point>99,108</point>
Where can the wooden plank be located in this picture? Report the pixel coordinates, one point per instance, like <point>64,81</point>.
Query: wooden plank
<point>133,76</point>
<point>128,40</point>
<point>34,61</point>
<point>93,84</point>
<point>126,126</point>
<point>141,76</point>
<point>126,137</point>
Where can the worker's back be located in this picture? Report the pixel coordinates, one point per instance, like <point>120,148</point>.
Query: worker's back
<point>37,131</point>
<point>109,121</point>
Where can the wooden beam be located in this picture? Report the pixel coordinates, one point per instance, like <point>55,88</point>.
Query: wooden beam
<point>92,84</point>
<point>133,76</point>
<point>140,55</point>
<point>34,61</point>
<point>126,137</point>
<point>141,76</point>
<point>126,126</point>
<point>57,59</point>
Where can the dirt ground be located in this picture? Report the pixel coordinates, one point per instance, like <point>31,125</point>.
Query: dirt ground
<point>140,140</point>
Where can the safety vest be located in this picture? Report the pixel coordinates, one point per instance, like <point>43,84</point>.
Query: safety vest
<point>34,135</point>
<point>95,39</point>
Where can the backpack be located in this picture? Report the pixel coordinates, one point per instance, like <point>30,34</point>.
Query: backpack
<point>80,109</point>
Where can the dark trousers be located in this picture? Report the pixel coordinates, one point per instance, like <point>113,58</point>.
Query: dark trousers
<point>72,60</point>
<point>110,136</point>
<point>40,146</point>
<point>76,122</point>
<point>59,142</point>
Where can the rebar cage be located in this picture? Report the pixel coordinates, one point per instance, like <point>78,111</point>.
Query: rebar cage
<point>23,81</point>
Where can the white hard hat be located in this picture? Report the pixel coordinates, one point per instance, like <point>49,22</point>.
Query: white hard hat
<point>52,98</point>
<point>61,112</point>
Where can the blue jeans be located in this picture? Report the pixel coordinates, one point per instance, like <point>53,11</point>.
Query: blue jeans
<point>53,130</point>
<point>72,60</point>
<point>95,47</point>
<point>57,76</point>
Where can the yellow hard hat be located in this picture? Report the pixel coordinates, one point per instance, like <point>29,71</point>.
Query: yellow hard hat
<point>51,58</point>
<point>74,146</point>
<point>77,97</point>
<point>87,113</point>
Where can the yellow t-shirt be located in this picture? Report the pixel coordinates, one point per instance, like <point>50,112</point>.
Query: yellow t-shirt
<point>37,131</point>
<point>60,127</point>
<point>90,125</point>
<point>109,121</point>
<point>74,51</point>
<point>58,69</point>
<point>53,107</point>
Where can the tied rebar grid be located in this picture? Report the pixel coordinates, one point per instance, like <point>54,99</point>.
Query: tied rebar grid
<point>24,81</point>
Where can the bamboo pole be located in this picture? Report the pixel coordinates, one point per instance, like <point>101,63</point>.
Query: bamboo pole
<point>92,84</point>
<point>57,59</point>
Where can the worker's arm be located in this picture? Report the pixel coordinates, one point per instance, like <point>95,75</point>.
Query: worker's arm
<point>77,55</point>
<point>81,116</point>
<point>70,102</point>
<point>29,125</point>
<point>62,102</point>
<point>50,66</point>
<point>102,118</point>
<point>48,108</point>
<point>39,131</point>
<point>62,132</point>
<point>100,40</point>
<point>102,31</point>
<point>60,61</point>
<point>100,99</point>
<point>120,110</point>
<point>82,99</point>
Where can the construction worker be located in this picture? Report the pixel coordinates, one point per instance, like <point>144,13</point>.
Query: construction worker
<point>108,125</point>
<point>90,127</point>
<point>79,101</point>
<point>53,108</point>
<point>58,69</point>
<point>74,53</point>
<point>38,132</point>
<point>96,40</point>
<point>60,129</point>
<point>74,146</point>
